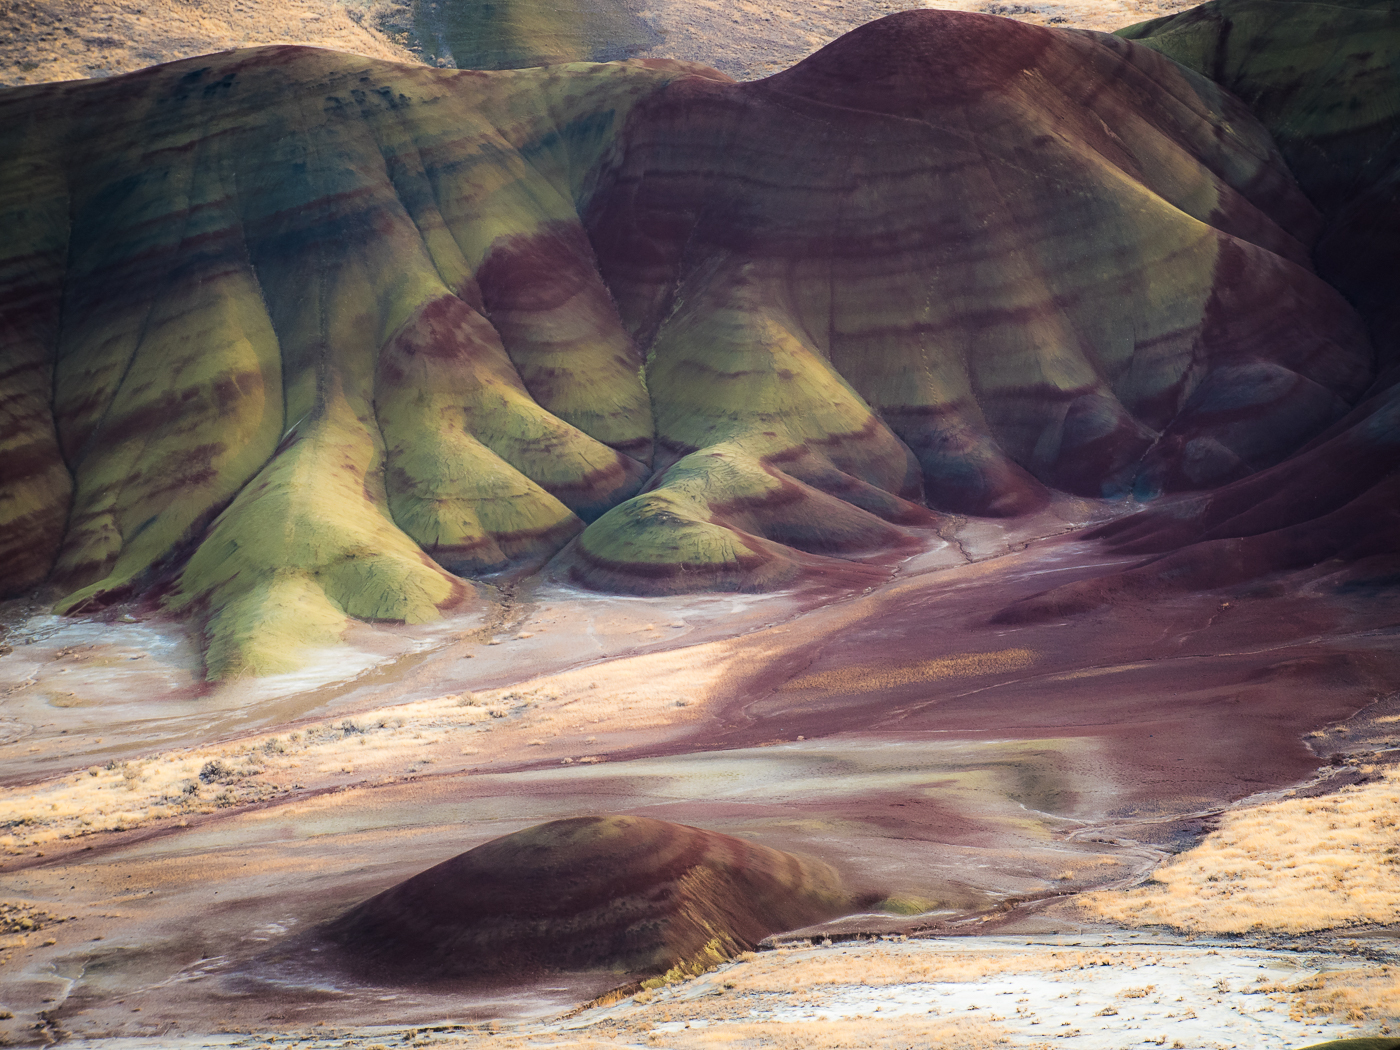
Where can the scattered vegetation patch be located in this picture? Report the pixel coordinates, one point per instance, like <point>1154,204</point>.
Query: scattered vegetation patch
<point>387,743</point>
<point>786,969</point>
<point>1356,996</point>
<point>861,1034</point>
<point>20,917</point>
<point>906,905</point>
<point>706,959</point>
<point>1296,866</point>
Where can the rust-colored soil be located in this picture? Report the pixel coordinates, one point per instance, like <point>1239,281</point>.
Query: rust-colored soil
<point>929,755</point>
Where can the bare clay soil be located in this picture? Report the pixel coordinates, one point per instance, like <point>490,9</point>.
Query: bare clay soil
<point>969,771</point>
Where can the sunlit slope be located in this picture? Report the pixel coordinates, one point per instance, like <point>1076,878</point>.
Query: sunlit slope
<point>1325,79</point>
<point>1035,258</point>
<point>291,336</point>
<point>273,359</point>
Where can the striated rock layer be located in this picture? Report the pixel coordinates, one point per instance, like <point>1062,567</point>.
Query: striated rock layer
<point>1325,79</point>
<point>247,357</point>
<point>291,336</point>
<point>628,894</point>
<point>966,256</point>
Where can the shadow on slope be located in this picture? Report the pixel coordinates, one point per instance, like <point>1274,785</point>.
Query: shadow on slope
<point>623,893</point>
<point>293,337</point>
<point>1325,79</point>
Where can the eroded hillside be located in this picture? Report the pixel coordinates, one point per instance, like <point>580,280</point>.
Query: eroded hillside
<point>297,338</point>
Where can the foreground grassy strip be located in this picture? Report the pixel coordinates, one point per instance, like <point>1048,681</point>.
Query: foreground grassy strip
<point>952,994</point>
<point>1294,866</point>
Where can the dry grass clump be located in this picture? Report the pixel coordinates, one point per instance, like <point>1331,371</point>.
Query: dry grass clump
<point>44,40</point>
<point>863,1034</point>
<point>868,679</point>
<point>374,746</point>
<point>1295,866</point>
<point>119,796</point>
<point>638,692</point>
<point>123,795</point>
<point>25,917</point>
<point>1351,995</point>
<point>860,1034</point>
<point>787,971</point>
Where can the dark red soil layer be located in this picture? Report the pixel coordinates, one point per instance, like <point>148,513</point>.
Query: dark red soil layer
<point>945,758</point>
<point>628,894</point>
<point>1336,502</point>
<point>920,202</point>
<point>1324,80</point>
<point>1190,697</point>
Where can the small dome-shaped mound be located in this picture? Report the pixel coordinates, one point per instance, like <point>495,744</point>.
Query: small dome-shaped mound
<point>628,894</point>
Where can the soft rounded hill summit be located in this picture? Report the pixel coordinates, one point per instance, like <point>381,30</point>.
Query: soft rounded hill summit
<point>1325,80</point>
<point>291,336</point>
<point>622,893</point>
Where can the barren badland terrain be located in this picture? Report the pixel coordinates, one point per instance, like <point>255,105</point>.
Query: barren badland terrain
<point>614,524</point>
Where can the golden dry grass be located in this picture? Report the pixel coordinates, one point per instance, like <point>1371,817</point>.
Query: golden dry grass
<point>785,971</point>
<point>1361,995</point>
<point>1294,866</point>
<point>1357,995</point>
<point>914,1034</point>
<point>44,40</point>
<point>864,1034</point>
<point>123,795</point>
<point>869,679</point>
<point>718,1011</point>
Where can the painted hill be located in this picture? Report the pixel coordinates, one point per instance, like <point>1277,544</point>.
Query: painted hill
<point>247,357</point>
<point>1325,79</point>
<point>1021,258</point>
<point>292,336</point>
<point>627,894</point>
